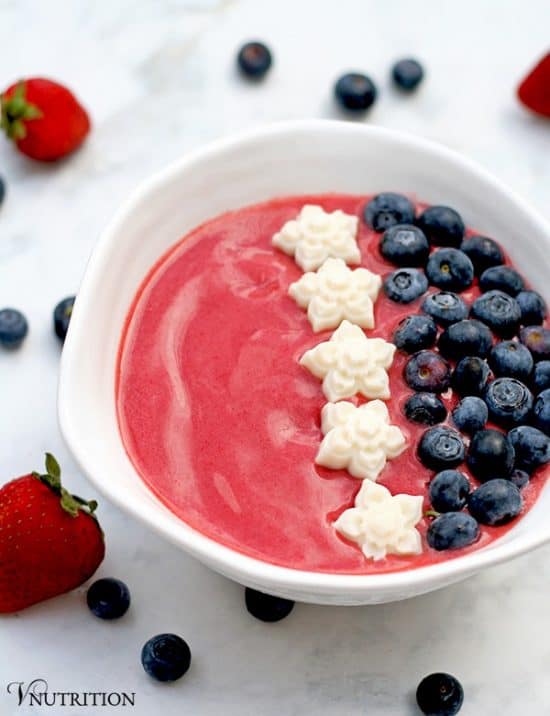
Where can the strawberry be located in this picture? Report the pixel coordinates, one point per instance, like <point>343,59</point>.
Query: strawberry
<point>50,541</point>
<point>43,118</point>
<point>534,91</point>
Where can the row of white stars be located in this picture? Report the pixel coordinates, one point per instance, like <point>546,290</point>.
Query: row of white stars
<point>358,439</point>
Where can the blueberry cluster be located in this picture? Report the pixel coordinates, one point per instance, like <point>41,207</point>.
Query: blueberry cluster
<point>494,354</point>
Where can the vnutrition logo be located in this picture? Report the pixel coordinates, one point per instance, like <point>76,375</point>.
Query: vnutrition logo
<point>37,693</point>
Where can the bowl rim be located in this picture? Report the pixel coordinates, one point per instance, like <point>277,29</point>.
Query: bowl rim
<point>226,560</point>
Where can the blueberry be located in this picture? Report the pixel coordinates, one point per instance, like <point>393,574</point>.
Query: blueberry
<point>470,376</point>
<point>501,278</point>
<point>537,339</point>
<point>108,598</point>
<point>449,491</point>
<point>428,371</point>
<point>405,285</point>
<point>509,401</point>
<point>531,446</point>
<point>425,408</point>
<point>442,225</point>
<point>166,657</point>
<point>496,502</point>
<point>254,60</point>
<point>407,74</point>
<point>499,311</point>
<point>532,307</point>
<point>541,411</point>
<point>13,328</point>
<point>62,316</point>
<point>465,338</point>
<point>405,245</point>
<point>439,695</point>
<point>441,448</point>
<point>2,190</point>
<point>415,333</point>
<point>388,209</point>
<point>483,252</point>
<point>490,455</point>
<point>266,607</point>
<point>540,379</point>
<point>511,359</point>
<point>450,269</point>
<point>445,307</point>
<point>470,415</point>
<point>452,530</point>
<point>519,478</point>
<point>355,92</point>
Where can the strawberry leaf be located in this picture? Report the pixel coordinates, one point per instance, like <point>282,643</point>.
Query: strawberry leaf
<point>52,466</point>
<point>15,110</point>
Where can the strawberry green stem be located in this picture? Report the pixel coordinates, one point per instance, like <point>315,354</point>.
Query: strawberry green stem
<point>15,110</point>
<point>70,503</point>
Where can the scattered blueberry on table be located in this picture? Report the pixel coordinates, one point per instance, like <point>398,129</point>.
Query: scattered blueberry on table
<point>166,657</point>
<point>445,307</point>
<point>405,245</point>
<point>425,409</point>
<point>388,209</point>
<point>450,269</point>
<point>452,530</point>
<point>108,598</point>
<point>439,695</point>
<point>62,317</point>
<point>2,190</point>
<point>442,225</point>
<point>254,60</point>
<point>266,607</point>
<point>407,74</point>
<point>405,285</point>
<point>414,333</point>
<point>13,328</point>
<point>355,92</point>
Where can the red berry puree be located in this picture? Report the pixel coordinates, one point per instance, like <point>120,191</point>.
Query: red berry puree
<point>223,424</point>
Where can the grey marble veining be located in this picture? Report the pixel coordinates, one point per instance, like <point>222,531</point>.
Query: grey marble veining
<point>159,79</point>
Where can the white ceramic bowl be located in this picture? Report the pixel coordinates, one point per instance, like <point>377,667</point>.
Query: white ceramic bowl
<point>289,158</point>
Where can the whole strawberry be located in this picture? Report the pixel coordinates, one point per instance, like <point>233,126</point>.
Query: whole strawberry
<point>50,541</point>
<point>43,118</point>
<point>534,91</point>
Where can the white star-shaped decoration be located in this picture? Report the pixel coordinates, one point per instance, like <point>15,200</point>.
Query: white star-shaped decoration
<point>358,439</point>
<point>382,524</point>
<point>315,235</point>
<point>351,363</point>
<point>335,292</point>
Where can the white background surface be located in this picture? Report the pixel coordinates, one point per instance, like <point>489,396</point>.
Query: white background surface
<point>158,78</point>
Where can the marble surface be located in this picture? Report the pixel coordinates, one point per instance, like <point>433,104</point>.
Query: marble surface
<point>158,77</point>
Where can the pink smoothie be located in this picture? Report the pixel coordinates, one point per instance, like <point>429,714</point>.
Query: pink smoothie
<point>221,421</point>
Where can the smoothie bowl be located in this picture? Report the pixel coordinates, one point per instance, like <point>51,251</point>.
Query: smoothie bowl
<point>320,390</point>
